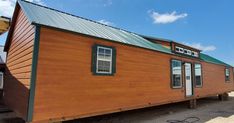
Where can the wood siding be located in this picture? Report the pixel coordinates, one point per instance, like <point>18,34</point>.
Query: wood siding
<point>163,43</point>
<point>66,87</point>
<point>64,76</point>
<point>214,80</point>
<point>19,62</point>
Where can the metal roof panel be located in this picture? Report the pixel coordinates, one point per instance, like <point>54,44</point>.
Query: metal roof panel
<point>54,18</point>
<point>210,59</point>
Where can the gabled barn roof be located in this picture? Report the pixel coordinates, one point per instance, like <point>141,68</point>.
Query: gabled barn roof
<point>49,17</point>
<point>54,18</point>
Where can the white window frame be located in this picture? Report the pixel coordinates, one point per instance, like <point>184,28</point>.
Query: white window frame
<point>186,51</point>
<point>201,76</point>
<point>227,70</point>
<point>110,60</point>
<point>177,49</point>
<point>195,54</point>
<point>189,52</point>
<point>181,76</point>
<point>180,50</point>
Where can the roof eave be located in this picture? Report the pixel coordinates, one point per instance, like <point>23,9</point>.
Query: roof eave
<point>48,26</point>
<point>12,26</point>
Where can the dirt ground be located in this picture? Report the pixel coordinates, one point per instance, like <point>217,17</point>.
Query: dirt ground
<point>209,110</point>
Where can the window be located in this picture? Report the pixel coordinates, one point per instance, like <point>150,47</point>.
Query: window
<point>189,52</point>
<point>1,80</point>
<point>186,51</point>
<point>181,50</point>
<point>227,74</point>
<point>195,54</point>
<point>177,49</point>
<point>103,60</point>
<point>176,73</point>
<point>198,75</point>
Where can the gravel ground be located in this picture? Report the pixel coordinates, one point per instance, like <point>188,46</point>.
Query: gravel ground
<point>209,110</point>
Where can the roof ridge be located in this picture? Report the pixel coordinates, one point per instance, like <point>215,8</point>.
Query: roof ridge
<point>79,17</point>
<point>114,34</point>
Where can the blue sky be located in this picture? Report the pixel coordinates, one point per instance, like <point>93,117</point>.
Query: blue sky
<point>208,25</point>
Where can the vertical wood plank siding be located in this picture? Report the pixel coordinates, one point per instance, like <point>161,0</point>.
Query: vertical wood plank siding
<point>66,87</point>
<point>19,61</point>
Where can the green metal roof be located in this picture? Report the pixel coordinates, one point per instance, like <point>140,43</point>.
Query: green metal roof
<point>42,15</point>
<point>57,19</point>
<point>210,59</point>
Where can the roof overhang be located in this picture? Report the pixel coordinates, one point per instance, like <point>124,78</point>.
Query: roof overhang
<point>4,24</point>
<point>11,28</point>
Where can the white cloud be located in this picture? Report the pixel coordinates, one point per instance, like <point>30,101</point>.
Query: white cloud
<point>164,18</point>
<point>202,47</point>
<point>108,3</point>
<point>7,6</point>
<point>37,1</point>
<point>106,22</point>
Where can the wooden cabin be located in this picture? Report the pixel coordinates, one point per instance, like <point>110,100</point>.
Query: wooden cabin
<point>4,24</point>
<point>62,67</point>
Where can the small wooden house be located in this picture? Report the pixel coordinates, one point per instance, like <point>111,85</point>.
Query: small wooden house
<point>4,24</point>
<point>61,66</point>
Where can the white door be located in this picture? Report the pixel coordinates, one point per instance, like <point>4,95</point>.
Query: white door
<point>188,80</point>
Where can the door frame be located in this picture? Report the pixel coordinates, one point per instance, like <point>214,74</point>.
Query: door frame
<point>192,79</point>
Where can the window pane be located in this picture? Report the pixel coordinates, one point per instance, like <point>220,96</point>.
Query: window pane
<point>177,80</point>
<point>176,73</point>
<point>227,74</point>
<point>198,73</point>
<point>177,49</point>
<point>1,81</point>
<point>107,51</point>
<point>101,50</point>
<point>104,66</point>
<point>104,53</point>
<point>189,52</point>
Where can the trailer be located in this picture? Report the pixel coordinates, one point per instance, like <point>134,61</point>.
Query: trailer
<point>62,67</point>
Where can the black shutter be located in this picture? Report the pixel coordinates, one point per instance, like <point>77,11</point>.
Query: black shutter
<point>94,59</point>
<point>113,60</point>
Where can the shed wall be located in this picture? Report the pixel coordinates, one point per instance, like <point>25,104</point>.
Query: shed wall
<point>66,87</point>
<point>19,61</point>
<point>214,80</point>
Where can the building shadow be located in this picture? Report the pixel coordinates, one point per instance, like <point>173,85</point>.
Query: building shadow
<point>165,113</point>
<point>15,96</point>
